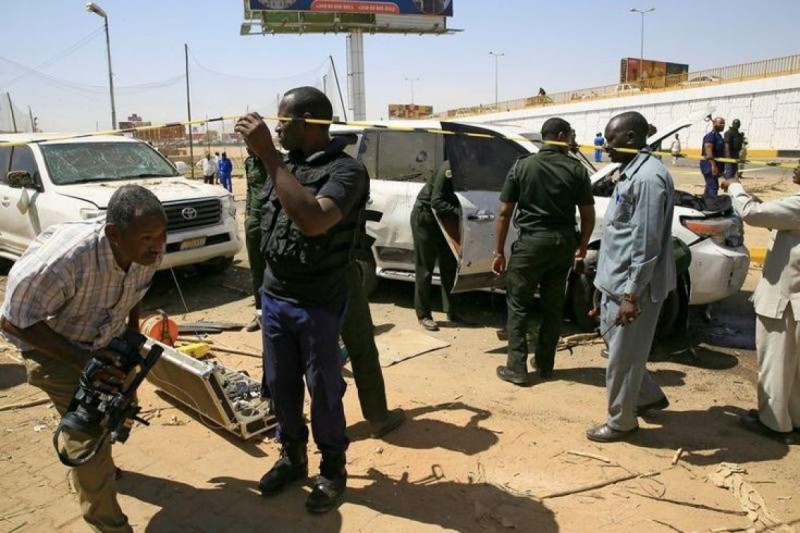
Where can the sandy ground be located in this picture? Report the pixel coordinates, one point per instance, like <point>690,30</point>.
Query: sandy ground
<point>475,454</point>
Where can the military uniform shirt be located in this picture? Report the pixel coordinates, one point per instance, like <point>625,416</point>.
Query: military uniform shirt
<point>438,194</point>
<point>546,188</point>
<point>256,176</point>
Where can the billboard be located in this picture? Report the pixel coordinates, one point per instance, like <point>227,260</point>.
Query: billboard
<point>373,7</point>
<point>652,74</point>
<point>410,111</point>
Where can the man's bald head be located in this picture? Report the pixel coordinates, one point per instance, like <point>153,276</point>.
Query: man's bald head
<point>719,124</point>
<point>626,130</point>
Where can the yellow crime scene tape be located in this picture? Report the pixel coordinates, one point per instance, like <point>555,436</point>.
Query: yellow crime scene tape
<point>393,127</point>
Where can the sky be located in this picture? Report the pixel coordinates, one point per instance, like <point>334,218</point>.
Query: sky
<point>53,55</point>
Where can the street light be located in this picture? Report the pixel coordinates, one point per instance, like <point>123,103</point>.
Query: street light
<point>91,7</point>
<point>411,81</point>
<point>497,56</point>
<point>641,48</point>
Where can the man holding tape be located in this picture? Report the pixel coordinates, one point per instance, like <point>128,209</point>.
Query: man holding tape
<point>777,305</point>
<point>635,273</point>
<point>314,204</point>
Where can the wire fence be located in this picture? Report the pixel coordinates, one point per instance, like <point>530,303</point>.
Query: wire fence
<point>708,77</point>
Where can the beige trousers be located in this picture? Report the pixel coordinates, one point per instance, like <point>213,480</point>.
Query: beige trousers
<point>778,347</point>
<point>95,481</point>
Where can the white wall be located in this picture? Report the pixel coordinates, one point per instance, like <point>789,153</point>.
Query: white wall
<point>768,108</point>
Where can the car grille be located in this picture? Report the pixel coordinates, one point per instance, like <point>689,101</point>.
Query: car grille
<point>182,216</point>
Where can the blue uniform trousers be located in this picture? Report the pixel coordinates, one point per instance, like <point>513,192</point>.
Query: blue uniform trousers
<point>712,185</point>
<point>628,383</point>
<point>302,341</point>
<point>225,180</point>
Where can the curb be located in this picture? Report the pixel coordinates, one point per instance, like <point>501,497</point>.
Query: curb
<point>757,255</point>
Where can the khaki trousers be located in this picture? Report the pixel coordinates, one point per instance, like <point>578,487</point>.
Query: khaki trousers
<point>778,347</point>
<point>95,481</point>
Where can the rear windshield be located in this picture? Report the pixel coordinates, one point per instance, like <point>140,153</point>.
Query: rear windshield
<point>103,161</point>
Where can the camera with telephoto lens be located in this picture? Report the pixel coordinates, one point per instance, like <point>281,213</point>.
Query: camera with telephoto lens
<point>103,414</point>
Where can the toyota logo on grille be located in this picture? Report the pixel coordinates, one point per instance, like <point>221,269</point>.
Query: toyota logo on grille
<point>189,213</point>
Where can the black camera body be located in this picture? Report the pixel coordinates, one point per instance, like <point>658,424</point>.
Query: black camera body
<point>103,414</point>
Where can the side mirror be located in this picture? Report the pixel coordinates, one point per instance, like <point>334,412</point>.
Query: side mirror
<point>21,179</point>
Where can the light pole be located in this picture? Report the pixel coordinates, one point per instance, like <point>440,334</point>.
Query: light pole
<point>91,7</point>
<point>641,47</point>
<point>497,57</point>
<point>411,81</point>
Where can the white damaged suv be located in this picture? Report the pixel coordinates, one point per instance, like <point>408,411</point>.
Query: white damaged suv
<point>67,180</point>
<point>400,161</point>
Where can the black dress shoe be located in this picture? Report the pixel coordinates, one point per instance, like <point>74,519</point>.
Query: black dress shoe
<point>429,324</point>
<point>751,421</point>
<point>517,377</point>
<point>545,374</point>
<point>455,318</point>
<point>658,405</point>
<point>604,433</point>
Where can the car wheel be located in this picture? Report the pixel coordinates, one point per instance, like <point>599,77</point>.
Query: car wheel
<point>581,298</point>
<point>218,265</point>
<point>369,279</point>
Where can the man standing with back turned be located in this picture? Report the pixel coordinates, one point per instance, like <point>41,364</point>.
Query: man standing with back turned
<point>635,273</point>
<point>314,202</point>
<point>544,188</point>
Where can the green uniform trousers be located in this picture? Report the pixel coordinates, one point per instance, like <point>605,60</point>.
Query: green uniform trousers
<point>252,239</point>
<point>358,335</point>
<point>95,481</point>
<point>540,261</point>
<point>429,246</point>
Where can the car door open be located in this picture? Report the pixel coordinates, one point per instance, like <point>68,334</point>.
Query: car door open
<point>479,160</point>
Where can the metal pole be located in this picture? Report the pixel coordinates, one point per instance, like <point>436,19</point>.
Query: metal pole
<point>33,121</point>
<point>641,42</point>
<point>497,57</point>
<point>339,88</point>
<point>411,81</point>
<point>641,53</point>
<point>110,77</point>
<point>189,110</point>
<point>11,110</point>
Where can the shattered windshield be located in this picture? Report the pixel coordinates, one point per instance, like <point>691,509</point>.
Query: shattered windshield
<point>71,163</point>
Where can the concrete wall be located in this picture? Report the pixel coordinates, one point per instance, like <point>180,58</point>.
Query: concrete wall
<point>769,109</point>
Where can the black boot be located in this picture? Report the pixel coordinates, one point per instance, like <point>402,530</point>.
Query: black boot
<point>291,466</point>
<point>329,486</point>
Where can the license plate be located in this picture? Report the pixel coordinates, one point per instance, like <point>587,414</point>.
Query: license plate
<point>191,244</point>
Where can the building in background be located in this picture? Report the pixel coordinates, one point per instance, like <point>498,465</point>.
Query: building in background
<point>651,74</point>
<point>409,111</point>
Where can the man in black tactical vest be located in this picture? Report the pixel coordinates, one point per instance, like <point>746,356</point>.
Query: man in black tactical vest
<point>313,204</point>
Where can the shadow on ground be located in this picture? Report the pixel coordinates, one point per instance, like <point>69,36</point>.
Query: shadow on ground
<point>230,504</point>
<point>710,436</point>
<point>11,375</point>
<point>422,431</point>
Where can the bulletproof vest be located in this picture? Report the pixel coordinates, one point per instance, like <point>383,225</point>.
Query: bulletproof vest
<point>289,252</point>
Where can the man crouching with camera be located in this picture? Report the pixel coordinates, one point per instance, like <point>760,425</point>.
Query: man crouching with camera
<point>77,287</point>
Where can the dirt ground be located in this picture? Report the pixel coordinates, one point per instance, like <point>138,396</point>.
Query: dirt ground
<point>475,454</point>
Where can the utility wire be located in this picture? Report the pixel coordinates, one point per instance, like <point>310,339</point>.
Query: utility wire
<point>236,76</point>
<point>59,56</point>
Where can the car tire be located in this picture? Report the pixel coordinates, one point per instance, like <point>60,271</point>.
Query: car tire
<point>369,279</point>
<point>218,265</point>
<point>581,297</point>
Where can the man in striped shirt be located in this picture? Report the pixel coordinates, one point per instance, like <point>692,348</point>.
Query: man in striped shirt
<point>76,287</point>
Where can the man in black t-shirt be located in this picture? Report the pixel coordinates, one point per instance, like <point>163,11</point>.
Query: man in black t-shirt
<point>313,205</point>
<point>734,140</point>
<point>544,188</point>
